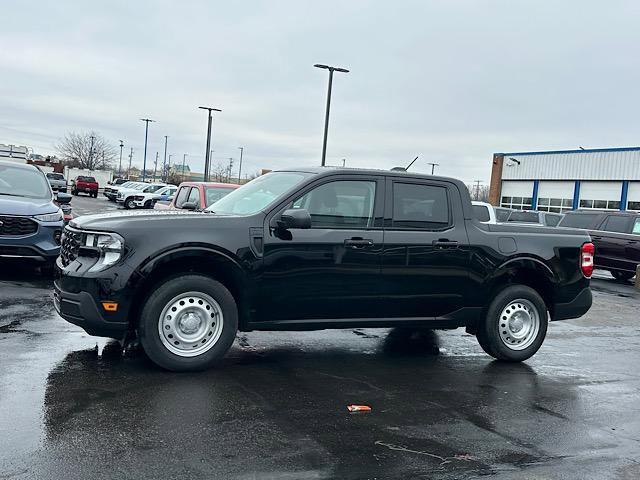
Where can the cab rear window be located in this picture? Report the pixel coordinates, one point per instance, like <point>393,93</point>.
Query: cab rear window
<point>578,220</point>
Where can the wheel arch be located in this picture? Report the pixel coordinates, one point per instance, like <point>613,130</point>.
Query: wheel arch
<point>193,259</point>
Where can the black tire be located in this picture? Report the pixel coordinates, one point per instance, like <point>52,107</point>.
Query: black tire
<point>162,297</point>
<point>74,192</point>
<point>128,203</point>
<point>489,334</point>
<point>622,276</point>
<point>148,204</point>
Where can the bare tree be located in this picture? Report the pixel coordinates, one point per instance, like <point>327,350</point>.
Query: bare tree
<point>219,172</point>
<point>87,150</point>
<point>479,192</point>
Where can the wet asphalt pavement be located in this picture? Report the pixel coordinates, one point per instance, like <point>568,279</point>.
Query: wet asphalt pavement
<point>73,407</point>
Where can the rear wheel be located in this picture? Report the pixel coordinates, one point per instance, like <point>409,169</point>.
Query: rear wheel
<point>148,204</point>
<point>515,324</point>
<point>188,323</point>
<point>622,276</point>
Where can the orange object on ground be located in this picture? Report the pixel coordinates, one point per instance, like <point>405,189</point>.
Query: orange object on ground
<point>358,408</point>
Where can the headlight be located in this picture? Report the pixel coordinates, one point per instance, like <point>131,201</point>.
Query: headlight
<point>50,217</point>
<point>108,247</point>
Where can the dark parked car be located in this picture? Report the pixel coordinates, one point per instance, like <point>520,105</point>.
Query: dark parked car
<point>57,181</point>
<point>616,236</point>
<point>319,248</point>
<point>31,220</point>
<point>84,184</point>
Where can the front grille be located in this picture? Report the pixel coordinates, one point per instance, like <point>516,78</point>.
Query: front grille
<point>71,241</point>
<point>17,226</point>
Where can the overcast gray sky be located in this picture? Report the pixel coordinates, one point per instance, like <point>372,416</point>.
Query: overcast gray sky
<point>451,81</point>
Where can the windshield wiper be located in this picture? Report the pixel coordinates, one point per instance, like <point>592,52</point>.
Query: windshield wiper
<point>12,194</point>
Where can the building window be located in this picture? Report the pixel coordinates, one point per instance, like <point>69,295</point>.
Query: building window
<point>633,206</point>
<point>517,203</point>
<point>555,205</point>
<point>601,204</point>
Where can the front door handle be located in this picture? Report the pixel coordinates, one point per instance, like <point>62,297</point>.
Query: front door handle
<point>358,243</point>
<point>444,243</point>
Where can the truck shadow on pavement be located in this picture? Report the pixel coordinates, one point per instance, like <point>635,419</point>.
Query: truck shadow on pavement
<point>284,407</point>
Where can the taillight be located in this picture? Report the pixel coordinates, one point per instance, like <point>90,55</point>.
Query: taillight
<point>586,259</point>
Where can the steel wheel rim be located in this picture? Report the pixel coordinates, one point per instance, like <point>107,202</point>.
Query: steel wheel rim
<point>519,324</point>
<point>190,324</point>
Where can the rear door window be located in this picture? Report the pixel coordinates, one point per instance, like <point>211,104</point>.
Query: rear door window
<point>419,206</point>
<point>616,223</point>
<point>524,217</point>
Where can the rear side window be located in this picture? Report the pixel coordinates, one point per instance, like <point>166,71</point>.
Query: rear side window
<point>636,227</point>
<point>616,223</point>
<point>181,198</point>
<point>502,214</point>
<point>481,212</point>
<point>578,220</point>
<point>420,206</point>
<point>524,217</point>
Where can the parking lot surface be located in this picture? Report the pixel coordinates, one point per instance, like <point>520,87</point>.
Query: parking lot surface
<point>73,406</point>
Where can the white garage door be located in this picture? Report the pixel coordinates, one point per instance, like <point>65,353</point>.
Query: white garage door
<point>633,196</point>
<point>517,194</point>
<point>555,196</point>
<point>602,195</point>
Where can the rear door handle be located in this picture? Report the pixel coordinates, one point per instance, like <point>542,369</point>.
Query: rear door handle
<point>443,243</point>
<point>358,243</point>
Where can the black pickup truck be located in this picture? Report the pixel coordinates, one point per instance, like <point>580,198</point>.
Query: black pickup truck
<point>315,249</point>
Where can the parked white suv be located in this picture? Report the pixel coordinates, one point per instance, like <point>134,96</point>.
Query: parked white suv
<point>148,199</point>
<point>125,195</point>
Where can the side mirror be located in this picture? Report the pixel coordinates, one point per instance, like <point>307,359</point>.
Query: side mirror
<point>63,197</point>
<point>294,218</point>
<point>190,206</point>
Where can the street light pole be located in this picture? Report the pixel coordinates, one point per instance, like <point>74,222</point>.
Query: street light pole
<point>240,167</point>
<point>91,152</point>
<point>146,134</point>
<point>207,158</point>
<point>155,167</point>
<point>326,117</point>
<point>130,158</point>
<point>120,164</point>
<point>164,163</point>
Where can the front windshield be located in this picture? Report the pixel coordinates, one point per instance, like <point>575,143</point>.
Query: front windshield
<point>258,193</point>
<point>23,182</point>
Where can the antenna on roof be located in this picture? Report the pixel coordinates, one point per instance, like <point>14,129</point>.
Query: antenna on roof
<point>581,148</point>
<point>412,162</point>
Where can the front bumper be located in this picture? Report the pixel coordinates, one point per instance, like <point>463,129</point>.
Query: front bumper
<point>43,245</point>
<point>78,298</point>
<point>575,308</point>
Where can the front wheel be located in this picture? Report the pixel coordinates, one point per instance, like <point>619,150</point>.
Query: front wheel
<point>128,204</point>
<point>622,276</point>
<point>515,324</point>
<point>188,323</point>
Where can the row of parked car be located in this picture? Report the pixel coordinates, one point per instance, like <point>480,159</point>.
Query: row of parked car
<point>615,234</point>
<point>160,196</point>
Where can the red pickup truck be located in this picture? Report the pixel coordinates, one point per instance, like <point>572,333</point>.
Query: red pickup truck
<point>84,184</point>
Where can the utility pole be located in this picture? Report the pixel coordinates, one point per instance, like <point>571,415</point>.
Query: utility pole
<point>477,182</point>
<point>230,169</point>
<point>164,163</point>
<point>433,166</point>
<point>120,164</point>
<point>326,116</point>
<point>91,152</point>
<point>184,159</point>
<point>344,162</point>
<point>207,158</point>
<point>146,135</point>
<point>155,167</point>
<point>130,158</point>
<point>240,168</point>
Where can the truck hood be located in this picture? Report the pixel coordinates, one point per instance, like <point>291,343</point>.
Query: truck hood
<point>120,222</point>
<point>26,206</point>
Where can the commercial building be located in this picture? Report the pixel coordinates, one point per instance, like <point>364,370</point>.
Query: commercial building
<point>13,153</point>
<point>557,181</point>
